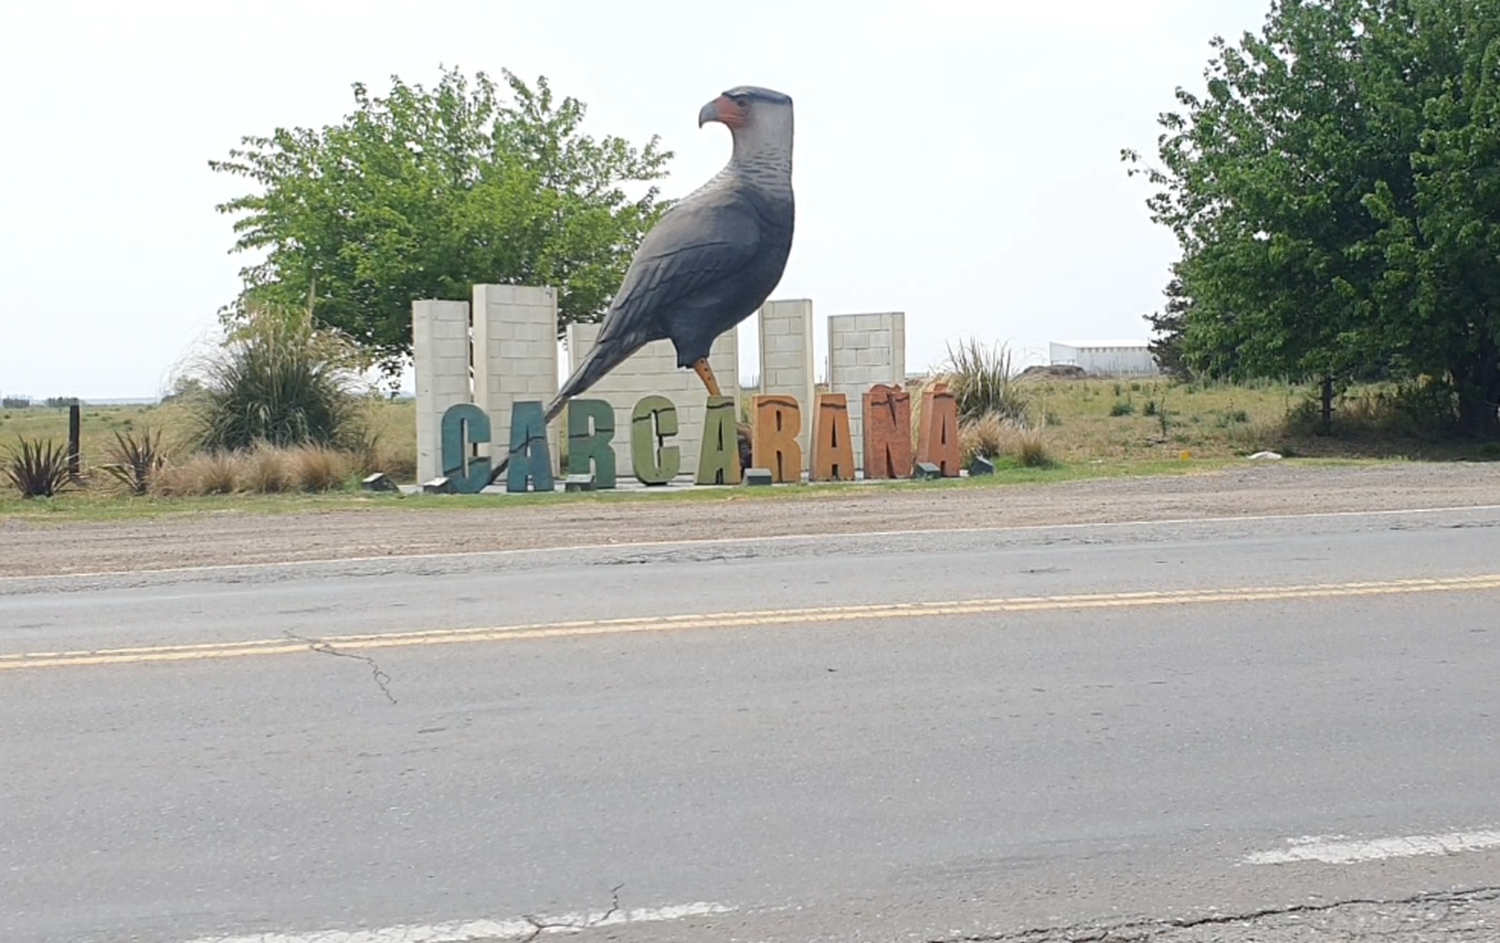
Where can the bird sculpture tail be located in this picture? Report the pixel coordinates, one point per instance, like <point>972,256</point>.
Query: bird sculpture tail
<point>605,356</point>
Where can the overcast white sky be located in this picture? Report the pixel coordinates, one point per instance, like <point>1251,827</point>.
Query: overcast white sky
<point>955,160</point>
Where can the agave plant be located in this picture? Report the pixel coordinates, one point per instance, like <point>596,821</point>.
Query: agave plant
<point>38,469</point>
<point>135,461</point>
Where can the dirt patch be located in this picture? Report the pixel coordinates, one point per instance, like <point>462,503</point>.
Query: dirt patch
<point>39,548</point>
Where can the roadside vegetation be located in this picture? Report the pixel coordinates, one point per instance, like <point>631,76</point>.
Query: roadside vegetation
<point>1033,428</point>
<point>276,409</point>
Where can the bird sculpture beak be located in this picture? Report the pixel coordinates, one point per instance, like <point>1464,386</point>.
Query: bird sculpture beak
<point>723,110</point>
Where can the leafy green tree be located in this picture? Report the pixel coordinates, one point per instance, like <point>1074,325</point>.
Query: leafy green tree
<point>1336,197</point>
<point>1168,325</point>
<point>423,193</point>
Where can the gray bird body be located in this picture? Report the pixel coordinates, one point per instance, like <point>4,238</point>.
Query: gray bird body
<point>712,259</point>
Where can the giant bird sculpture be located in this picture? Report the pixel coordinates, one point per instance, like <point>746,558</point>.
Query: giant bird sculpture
<point>713,258</point>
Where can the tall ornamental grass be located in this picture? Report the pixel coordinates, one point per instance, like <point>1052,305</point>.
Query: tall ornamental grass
<point>281,381</point>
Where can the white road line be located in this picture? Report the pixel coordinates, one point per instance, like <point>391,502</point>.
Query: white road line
<point>515,928</point>
<point>733,541</point>
<point>1378,849</point>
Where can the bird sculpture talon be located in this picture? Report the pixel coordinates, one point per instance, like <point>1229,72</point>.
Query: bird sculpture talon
<point>706,374</point>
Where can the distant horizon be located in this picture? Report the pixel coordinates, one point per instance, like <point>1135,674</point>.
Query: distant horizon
<point>747,381</point>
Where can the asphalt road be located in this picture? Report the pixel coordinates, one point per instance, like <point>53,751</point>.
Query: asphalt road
<point>1265,729</point>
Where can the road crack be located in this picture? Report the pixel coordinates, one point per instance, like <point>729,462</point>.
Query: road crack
<point>1144,931</point>
<point>541,925</point>
<point>382,679</point>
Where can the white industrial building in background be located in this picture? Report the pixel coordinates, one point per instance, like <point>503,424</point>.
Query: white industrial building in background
<point>1113,358</point>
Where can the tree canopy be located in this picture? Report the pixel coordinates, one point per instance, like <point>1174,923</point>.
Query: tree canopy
<point>424,193</point>
<point>1335,193</point>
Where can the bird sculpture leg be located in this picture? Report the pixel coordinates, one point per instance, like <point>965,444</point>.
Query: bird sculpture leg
<point>706,374</point>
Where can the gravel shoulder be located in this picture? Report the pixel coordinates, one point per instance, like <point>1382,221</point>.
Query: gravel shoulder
<point>31,548</point>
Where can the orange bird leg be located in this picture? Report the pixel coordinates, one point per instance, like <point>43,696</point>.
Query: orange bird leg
<point>706,374</point>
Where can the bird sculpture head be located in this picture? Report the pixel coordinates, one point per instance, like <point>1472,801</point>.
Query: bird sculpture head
<point>760,119</point>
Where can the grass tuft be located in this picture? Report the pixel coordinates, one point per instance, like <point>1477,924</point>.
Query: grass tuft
<point>372,454</point>
<point>266,469</point>
<point>981,437</point>
<point>317,468</point>
<point>1029,445</point>
<point>995,436</point>
<point>203,473</point>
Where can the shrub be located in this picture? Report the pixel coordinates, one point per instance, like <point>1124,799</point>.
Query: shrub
<point>1122,408</point>
<point>134,462</point>
<point>38,469</point>
<point>1424,410</point>
<point>980,378</point>
<point>278,380</point>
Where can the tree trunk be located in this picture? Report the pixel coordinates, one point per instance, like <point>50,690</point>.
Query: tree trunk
<point>1326,427</point>
<point>1477,418</point>
<point>1479,393</point>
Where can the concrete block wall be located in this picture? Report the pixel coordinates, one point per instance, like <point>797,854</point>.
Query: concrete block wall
<point>515,354</point>
<point>863,350</point>
<point>653,369</point>
<point>787,359</point>
<point>440,356</point>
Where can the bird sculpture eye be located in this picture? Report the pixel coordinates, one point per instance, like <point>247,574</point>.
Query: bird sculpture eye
<point>742,102</point>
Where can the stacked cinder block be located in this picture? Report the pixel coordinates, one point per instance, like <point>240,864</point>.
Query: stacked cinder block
<point>863,350</point>
<point>440,355</point>
<point>653,369</point>
<point>787,358</point>
<point>515,353</point>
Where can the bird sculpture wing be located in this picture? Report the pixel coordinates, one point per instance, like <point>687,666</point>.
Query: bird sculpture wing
<point>692,247</point>
<point>687,259</point>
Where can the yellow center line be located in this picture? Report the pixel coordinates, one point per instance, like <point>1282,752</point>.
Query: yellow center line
<point>730,620</point>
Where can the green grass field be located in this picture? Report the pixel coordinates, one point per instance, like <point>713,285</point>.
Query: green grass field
<point>1092,428</point>
<point>1135,420</point>
<point>392,425</point>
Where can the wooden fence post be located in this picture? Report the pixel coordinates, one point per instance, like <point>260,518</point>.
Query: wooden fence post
<point>75,421</point>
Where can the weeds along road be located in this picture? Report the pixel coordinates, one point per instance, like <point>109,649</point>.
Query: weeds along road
<point>1258,729</point>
